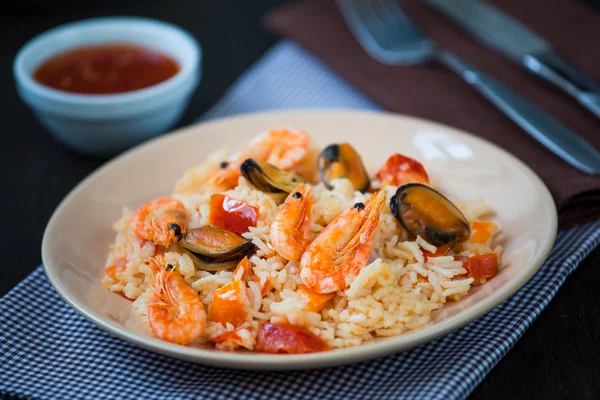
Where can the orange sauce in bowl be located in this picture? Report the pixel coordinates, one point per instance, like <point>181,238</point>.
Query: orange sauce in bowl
<point>106,69</point>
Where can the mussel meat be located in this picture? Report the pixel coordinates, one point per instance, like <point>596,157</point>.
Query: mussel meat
<point>268,178</point>
<point>425,212</point>
<point>342,161</point>
<point>214,249</point>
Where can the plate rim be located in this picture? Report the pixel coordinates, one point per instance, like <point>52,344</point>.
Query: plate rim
<point>363,352</point>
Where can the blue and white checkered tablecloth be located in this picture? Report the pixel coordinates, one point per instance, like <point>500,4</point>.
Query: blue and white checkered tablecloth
<point>48,351</point>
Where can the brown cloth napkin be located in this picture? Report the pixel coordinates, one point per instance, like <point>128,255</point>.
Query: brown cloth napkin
<point>433,92</point>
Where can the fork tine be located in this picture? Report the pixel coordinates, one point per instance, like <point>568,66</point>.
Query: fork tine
<point>372,22</point>
<point>379,22</point>
<point>384,31</point>
<point>385,11</point>
<point>398,17</point>
<point>357,15</point>
<point>384,19</point>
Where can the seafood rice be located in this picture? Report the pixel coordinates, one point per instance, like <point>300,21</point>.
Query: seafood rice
<point>285,247</point>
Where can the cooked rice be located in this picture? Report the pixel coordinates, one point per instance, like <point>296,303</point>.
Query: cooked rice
<point>397,291</point>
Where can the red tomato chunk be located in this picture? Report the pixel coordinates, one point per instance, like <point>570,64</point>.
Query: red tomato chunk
<point>399,169</point>
<point>288,338</point>
<point>481,267</point>
<point>231,215</point>
<point>440,251</point>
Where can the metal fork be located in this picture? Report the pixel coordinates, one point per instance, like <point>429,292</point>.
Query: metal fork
<point>387,34</point>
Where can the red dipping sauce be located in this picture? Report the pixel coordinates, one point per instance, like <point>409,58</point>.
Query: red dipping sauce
<point>106,69</point>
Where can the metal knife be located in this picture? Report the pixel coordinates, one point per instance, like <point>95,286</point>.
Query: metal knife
<point>523,46</point>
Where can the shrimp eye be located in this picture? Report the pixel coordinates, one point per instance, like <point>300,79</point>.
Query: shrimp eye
<point>176,230</point>
<point>297,195</point>
<point>224,164</point>
<point>359,206</point>
<point>169,267</point>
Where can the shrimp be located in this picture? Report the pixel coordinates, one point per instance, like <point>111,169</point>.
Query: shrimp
<point>161,221</point>
<point>283,148</point>
<point>290,233</point>
<point>336,256</point>
<point>175,312</point>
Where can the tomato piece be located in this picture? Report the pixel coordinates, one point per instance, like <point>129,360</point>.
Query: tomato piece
<point>227,305</point>
<point>482,267</point>
<point>316,301</point>
<point>119,266</point>
<point>399,169</point>
<point>230,214</point>
<point>243,271</point>
<point>440,251</point>
<point>288,338</point>
<point>482,231</point>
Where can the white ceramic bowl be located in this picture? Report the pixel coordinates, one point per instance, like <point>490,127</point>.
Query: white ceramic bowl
<point>107,124</point>
<point>462,166</point>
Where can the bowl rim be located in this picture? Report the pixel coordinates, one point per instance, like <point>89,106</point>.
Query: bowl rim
<point>363,352</point>
<point>38,90</point>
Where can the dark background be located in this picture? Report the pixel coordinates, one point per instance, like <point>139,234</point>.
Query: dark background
<point>558,357</point>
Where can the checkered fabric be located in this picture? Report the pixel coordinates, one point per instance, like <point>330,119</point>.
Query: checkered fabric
<point>48,351</point>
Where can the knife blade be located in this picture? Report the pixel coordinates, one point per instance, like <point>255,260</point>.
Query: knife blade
<point>507,35</point>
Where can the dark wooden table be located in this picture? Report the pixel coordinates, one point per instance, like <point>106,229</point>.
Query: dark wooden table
<point>558,357</point>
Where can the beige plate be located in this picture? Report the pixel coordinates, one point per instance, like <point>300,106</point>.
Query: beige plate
<point>77,237</point>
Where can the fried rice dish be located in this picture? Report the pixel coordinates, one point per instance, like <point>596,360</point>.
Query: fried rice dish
<point>289,248</point>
